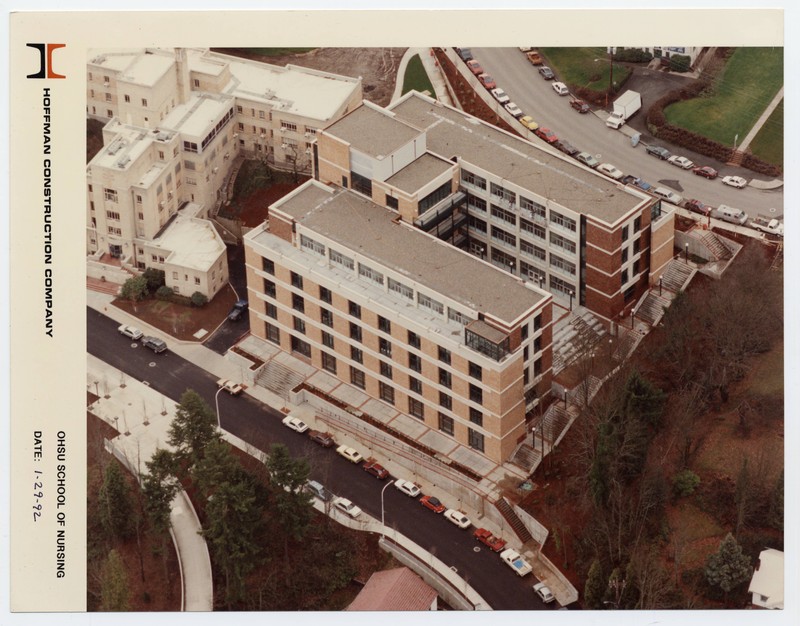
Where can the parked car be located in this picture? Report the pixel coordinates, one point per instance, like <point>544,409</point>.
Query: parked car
<point>658,151</point>
<point>579,105</point>
<point>513,109</point>
<point>560,89</point>
<point>231,387</point>
<point>295,423</point>
<point>770,226</point>
<point>610,171</point>
<point>489,540</point>
<point>587,159</point>
<point>347,507</point>
<point>544,593</point>
<point>429,502</point>
<point>475,67</point>
<point>130,332</point>
<point>376,469</point>
<point>638,182</point>
<point>527,122</point>
<point>238,310</point>
<point>407,487</point>
<point>681,162</point>
<point>458,518</point>
<point>734,181</point>
<point>546,73</point>
<point>464,53</point>
<point>546,134</point>
<point>566,147</point>
<point>513,559</point>
<point>323,439</point>
<point>154,343</point>
<point>351,454</point>
<point>668,195</point>
<point>525,48</point>
<point>696,206</point>
<point>487,81</point>
<point>318,490</point>
<point>706,172</point>
<point>534,57</point>
<point>729,214</point>
<point>501,96</point>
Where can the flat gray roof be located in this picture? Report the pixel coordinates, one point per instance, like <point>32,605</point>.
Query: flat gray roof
<point>373,132</point>
<point>453,133</point>
<point>419,173</point>
<point>376,233</point>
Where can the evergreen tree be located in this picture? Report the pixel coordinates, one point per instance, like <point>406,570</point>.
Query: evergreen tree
<point>194,427</point>
<point>114,590</point>
<point>155,278</point>
<point>292,504</point>
<point>595,586</point>
<point>134,289</point>
<point>728,567</point>
<point>218,466</point>
<point>160,486</point>
<point>115,505</point>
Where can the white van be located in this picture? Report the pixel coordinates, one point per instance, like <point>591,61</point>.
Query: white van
<point>729,214</point>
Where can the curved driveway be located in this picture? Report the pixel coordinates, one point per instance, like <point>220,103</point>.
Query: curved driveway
<point>535,96</point>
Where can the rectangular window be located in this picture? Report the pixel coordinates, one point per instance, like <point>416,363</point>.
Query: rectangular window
<point>624,277</point>
<point>563,221</point>
<point>445,401</point>
<point>507,216</point>
<point>272,310</point>
<point>327,339</point>
<point>503,237</point>
<point>112,215</point>
<point>301,347</point>
<point>386,392</point>
<point>299,325</point>
<point>624,254</point>
<point>268,265</point>
<point>385,347</point>
<point>624,233</point>
<point>357,377</point>
<point>288,126</point>
<point>537,344</point>
<point>144,102</point>
<point>127,98</point>
<point>386,370</point>
<point>415,384</point>
<point>476,203</point>
<point>298,303</point>
<point>444,355</point>
<point>475,393</point>
<point>384,325</point>
<point>361,184</point>
<point>297,280</point>
<point>354,309</point>
<point>637,245</point>
<point>413,339</point>
<point>391,202</point>
<point>326,317</point>
<point>310,244</point>
<point>416,408</point>
<point>400,288</point>
<point>537,367</point>
<point>562,264</point>
<point>475,416</point>
<point>469,178</point>
<point>500,192</point>
<point>475,371</point>
<point>365,271</point>
<point>430,303</point>
<point>110,195</point>
<point>414,362</point>
<point>355,331</point>
<point>477,224</point>
<point>273,334</point>
<point>475,440</point>
<point>637,224</point>
<point>325,295</point>
<point>196,280</point>
<point>356,354</point>
<point>563,243</point>
<point>329,362</point>
<point>533,209</point>
<point>445,378</point>
<point>446,424</point>
<point>340,259</point>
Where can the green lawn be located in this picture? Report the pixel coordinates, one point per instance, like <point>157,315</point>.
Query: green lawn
<point>750,80</point>
<point>585,67</point>
<point>416,77</point>
<point>768,143</point>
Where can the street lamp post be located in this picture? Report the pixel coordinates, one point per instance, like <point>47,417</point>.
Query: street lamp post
<point>633,317</point>
<point>383,526</point>
<point>686,250</point>
<point>571,295</point>
<point>216,404</point>
<point>659,284</point>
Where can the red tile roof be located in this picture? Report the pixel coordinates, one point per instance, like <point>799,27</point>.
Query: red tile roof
<point>397,589</point>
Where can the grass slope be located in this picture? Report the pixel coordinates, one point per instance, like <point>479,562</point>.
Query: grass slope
<point>416,77</point>
<point>585,67</point>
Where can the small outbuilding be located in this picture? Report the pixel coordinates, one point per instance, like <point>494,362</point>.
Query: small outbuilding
<point>397,589</point>
<point>767,582</point>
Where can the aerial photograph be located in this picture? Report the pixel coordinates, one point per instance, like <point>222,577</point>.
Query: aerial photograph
<point>434,329</point>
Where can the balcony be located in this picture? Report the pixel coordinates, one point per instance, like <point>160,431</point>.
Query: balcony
<point>441,211</point>
<point>487,340</point>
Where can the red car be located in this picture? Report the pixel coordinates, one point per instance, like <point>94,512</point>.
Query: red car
<point>706,172</point>
<point>545,133</point>
<point>696,206</point>
<point>429,502</point>
<point>489,540</point>
<point>580,106</point>
<point>475,67</point>
<point>487,81</point>
<point>378,471</point>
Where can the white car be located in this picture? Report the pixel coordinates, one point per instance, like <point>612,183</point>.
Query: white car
<point>669,196</point>
<point>560,89</point>
<point>501,96</point>
<point>513,559</point>
<point>407,487</point>
<point>458,518</point>
<point>351,454</point>
<point>296,424</point>
<point>681,162</point>
<point>345,506</point>
<point>513,109</point>
<point>610,171</point>
<point>734,181</point>
<point>231,387</point>
<point>130,332</point>
<point>543,591</point>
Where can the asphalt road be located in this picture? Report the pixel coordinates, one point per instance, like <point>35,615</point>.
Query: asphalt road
<point>535,96</point>
<point>229,333</point>
<point>260,425</point>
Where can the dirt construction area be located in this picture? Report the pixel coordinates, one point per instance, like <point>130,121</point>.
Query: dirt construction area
<point>376,66</point>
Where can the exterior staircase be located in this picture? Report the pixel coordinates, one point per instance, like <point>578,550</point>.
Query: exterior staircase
<point>575,339</point>
<point>101,286</point>
<point>513,520</point>
<point>677,275</point>
<point>736,158</point>
<point>554,425</point>
<point>718,249</point>
<point>278,378</point>
<point>651,310</point>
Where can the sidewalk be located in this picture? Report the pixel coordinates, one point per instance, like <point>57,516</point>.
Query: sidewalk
<point>431,68</point>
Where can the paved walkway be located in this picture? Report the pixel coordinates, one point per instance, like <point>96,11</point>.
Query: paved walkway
<point>431,68</point>
<point>761,120</point>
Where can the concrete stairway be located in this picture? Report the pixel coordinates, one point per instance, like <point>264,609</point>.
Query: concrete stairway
<point>278,378</point>
<point>651,310</point>
<point>714,245</point>
<point>575,339</point>
<point>677,275</point>
<point>513,520</point>
<point>102,286</point>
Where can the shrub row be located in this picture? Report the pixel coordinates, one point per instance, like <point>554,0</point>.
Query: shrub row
<point>632,55</point>
<point>165,293</point>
